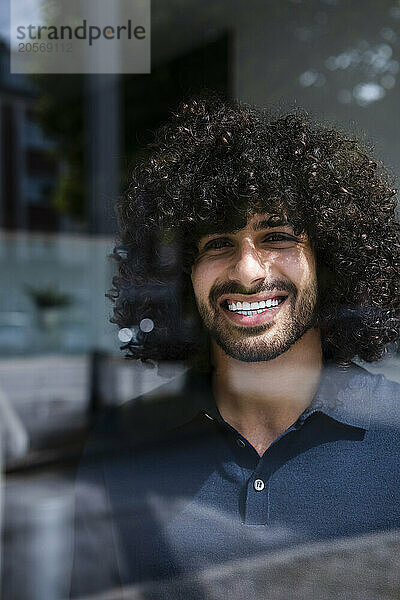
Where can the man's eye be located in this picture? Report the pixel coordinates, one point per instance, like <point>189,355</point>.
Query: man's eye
<point>276,237</point>
<point>217,244</point>
<point>280,239</point>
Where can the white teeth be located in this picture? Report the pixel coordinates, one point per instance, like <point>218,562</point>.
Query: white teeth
<point>244,308</point>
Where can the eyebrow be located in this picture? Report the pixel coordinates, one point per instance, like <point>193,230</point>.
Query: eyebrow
<point>268,224</point>
<point>258,226</point>
<point>272,221</point>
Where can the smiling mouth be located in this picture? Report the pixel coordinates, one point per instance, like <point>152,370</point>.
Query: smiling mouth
<point>252,308</point>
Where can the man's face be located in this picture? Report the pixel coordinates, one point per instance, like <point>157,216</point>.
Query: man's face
<point>256,288</point>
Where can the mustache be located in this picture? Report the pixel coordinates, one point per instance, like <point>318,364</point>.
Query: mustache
<point>233,287</point>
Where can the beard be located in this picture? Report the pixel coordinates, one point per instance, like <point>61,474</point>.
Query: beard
<point>269,340</point>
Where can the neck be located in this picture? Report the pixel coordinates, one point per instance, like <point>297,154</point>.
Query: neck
<point>261,400</point>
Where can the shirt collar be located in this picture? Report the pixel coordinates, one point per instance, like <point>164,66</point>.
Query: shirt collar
<point>344,394</point>
<point>197,397</point>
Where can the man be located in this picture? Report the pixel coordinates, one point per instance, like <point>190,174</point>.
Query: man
<point>288,270</point>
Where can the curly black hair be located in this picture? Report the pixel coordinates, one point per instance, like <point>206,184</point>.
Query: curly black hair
<point>211,166</point>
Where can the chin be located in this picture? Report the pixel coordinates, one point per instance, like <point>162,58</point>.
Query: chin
<point>253,353</point>
<point>257,350</point>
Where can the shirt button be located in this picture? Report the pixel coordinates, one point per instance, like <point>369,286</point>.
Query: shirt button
<point>240,443</point>
<point>259,485</point>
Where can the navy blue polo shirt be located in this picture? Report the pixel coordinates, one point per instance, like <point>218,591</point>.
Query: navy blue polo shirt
<point>167,487</point>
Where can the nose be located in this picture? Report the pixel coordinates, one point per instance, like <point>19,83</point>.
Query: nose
<point>249,267</point>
